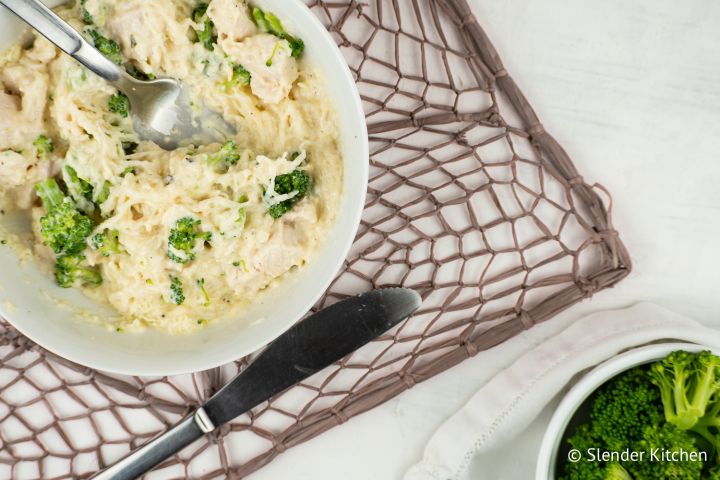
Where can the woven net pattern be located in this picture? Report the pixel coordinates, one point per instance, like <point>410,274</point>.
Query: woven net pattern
<point>471,202</point>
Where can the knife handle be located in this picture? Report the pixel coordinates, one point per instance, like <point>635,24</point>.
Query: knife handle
<point>157,450</point>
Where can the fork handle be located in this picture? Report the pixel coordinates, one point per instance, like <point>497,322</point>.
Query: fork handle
<point>57,31</point>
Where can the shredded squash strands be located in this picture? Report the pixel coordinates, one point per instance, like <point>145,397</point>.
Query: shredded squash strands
<point>141,191</point>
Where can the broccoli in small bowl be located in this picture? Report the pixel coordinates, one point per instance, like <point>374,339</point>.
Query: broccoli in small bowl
<point>652,413</point>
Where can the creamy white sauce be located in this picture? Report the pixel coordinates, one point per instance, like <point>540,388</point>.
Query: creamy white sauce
<point>283,110</point>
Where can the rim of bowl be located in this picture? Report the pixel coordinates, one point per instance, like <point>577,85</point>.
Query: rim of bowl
<point>305,16</point>
<point>591,381</point>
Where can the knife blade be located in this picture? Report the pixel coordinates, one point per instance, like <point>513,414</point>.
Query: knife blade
<point>309,346</point>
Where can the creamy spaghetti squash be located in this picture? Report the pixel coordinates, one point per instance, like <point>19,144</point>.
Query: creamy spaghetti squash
<point>171,239</point>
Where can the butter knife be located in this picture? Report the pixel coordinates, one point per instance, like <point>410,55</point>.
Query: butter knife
<point>308,347</point>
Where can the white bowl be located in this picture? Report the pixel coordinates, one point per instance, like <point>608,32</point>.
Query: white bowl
<point>25,292</point>
<point>574,399</point>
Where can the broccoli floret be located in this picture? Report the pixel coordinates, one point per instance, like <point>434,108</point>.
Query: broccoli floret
<point>107,242</point>
<point>104,192</point>
<point>624,407</point>
<point>63,228</point>
<point>583,439</point>
<point>66,230</point>
<point>106,46</point>
<point>627,414</point>
<point>120,104</point>
<point>224,158</point>
<point>204,36</point>
<point>44,146</point>
<point>69,271</point>
<point>176,291</point>
<point>666,437</point>
<point>296,181</point>
<point>201,284</point>
<point>79,189</point>
<point>183,239</point>
<point>240,77</point>
<point>687,383</point>
<point>269,23</point>
<point>690,390</point>
<point>585,469</point>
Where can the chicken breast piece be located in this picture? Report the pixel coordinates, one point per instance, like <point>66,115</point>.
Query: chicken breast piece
<point>42,51</point>
<point>148,35</point>
<point>232,21</point>
<point>274,260</point>
<point>9,106</point>
<point>269,61</point>
<point>32,87</point>
<point>13,167</point>
<point>36,171</point>
<point>22,109</point>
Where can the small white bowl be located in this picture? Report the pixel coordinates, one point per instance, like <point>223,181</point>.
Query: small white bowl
<point>551,443</point>
<point>25,291</point>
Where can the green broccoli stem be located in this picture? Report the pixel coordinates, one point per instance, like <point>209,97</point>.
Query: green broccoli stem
<point>104,192</point>
<point>711,417</point>
<point>267,22</point>
<point>201,284</point>
<point>702,429</point>
<point>667,393</point>
<point>50,193</point>
<point>260,21</point>
<point>615,471</point>
<point>705,388</point>
<point>682,417</point>
<point>704,432</point>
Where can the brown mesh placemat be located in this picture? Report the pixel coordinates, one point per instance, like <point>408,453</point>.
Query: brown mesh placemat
<point>471,202</point>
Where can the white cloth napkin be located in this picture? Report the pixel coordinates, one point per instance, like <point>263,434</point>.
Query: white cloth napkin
<point>510,401</point>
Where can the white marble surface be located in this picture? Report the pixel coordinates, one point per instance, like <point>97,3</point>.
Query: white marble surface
<point>632,90</point>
